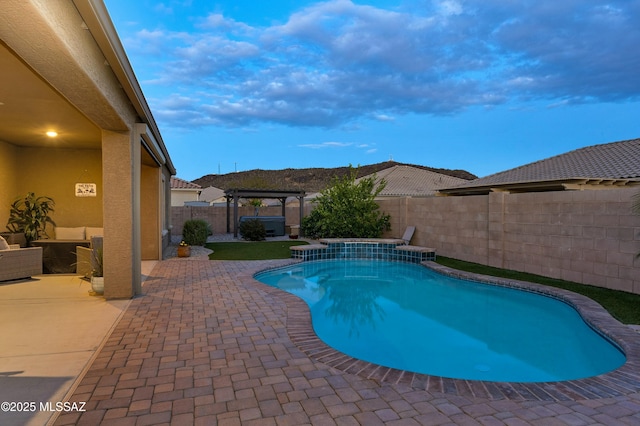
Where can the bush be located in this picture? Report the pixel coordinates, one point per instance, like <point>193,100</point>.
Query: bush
<point>348,209</point>
<point>253,230</point>
<point>195,232</point>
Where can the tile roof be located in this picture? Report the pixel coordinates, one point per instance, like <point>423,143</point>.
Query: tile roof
<point>177,183</point>
<point>615,161</point>
<point>410,181</point>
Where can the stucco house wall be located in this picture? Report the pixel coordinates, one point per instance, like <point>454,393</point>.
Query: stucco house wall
<point>72,67</point>
<point>180,196</point>
<point>54,172</point>
<point>9,167</point>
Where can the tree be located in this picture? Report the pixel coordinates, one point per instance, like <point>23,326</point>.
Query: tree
<point>347,209</point>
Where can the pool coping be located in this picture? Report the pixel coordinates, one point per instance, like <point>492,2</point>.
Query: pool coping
<point>622,381</point>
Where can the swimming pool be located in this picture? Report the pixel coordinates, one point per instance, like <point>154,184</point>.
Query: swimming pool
<point>408,317</point>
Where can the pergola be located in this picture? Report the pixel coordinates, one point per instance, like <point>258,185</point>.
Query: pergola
<point>235,194</point>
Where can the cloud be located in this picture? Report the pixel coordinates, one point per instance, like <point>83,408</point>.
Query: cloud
<point>383,117</point>
<point>335,63</point>
<point>163,8</point>
<point>325,145</point>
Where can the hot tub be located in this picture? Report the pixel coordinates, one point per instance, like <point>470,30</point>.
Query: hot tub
<point>274,225</point>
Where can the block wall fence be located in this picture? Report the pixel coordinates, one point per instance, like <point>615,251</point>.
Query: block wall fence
<point>590,237</point>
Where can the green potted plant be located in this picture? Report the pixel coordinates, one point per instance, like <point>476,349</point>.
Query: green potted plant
<point>30,215</point>
<point>97,271</point>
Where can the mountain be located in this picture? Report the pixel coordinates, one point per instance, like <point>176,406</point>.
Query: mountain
<point>309,180</point>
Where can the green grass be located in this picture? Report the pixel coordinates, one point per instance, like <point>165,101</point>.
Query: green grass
<point>252,250</point>
<point>625,307</point>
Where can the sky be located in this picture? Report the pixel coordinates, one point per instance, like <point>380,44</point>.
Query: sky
<point>479,85</point>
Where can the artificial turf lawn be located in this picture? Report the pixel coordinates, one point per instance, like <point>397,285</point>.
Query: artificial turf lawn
<point>252,250</point>
<point>623,306</point>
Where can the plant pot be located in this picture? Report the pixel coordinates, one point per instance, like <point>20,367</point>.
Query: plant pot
<point>97,285</point>
<point>184,251</point>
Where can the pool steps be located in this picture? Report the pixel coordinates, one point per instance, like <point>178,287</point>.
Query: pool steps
<point>363,248</point>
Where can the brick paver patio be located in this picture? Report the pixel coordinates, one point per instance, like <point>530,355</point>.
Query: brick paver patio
<point>207,345</point>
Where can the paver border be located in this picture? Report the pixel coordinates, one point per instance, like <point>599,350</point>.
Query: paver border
<point>624,380</point>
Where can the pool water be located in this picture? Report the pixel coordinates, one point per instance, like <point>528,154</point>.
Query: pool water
<point>408,317</point>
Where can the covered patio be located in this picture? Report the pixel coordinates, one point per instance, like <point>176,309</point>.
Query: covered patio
<point>72,113</point>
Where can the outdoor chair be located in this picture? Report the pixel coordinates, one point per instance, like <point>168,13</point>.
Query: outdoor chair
<point>408,234</point>
<point>18,263</point>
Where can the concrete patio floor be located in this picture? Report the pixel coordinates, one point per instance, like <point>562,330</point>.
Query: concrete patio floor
<point>51,329</point>
<point>208,345</point>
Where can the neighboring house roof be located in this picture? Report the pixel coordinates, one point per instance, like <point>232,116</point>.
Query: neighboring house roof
<point>407,181</point>
<point>612,164</point>
<point>211,193</point>
<point>177,183</point>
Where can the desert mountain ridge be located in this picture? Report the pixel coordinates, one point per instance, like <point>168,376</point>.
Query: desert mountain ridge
<point>309,179</point>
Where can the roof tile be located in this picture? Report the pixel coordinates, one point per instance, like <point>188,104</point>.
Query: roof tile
<point>615,160</point>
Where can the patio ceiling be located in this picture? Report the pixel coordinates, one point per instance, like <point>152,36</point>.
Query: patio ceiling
<point>29,107</point>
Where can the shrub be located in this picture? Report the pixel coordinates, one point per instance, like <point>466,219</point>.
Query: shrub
<point>348,209</point>
<point>253,230</point>
<point>195,232</point>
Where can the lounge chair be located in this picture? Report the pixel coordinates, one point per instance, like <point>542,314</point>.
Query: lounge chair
<point>408,234</point>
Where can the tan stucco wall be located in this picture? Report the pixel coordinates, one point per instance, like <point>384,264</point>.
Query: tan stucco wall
<point>54,172</point>
<point>150,214</point>
<point>179,196</point>
<point>9,167</point>
<point>121,222</point>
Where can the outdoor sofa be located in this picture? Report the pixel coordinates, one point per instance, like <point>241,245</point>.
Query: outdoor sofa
<point>18,263</point>
<point>59,254</point>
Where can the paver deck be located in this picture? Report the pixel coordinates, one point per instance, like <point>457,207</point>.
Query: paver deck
<point>208,345</point>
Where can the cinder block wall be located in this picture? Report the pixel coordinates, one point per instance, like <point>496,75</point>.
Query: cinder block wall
<point>217,216</point>
<point>589,237</point>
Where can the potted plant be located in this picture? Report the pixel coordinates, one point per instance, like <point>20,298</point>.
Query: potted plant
<point>30,215</point>
<point>184,249</point>
<point>97,271</point>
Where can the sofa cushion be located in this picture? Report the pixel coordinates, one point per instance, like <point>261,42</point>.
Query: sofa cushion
<point>3,244</point>
<point>94,232</point>
<point>63,233</point>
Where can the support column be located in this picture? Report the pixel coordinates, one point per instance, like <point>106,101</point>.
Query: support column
<point>228,215</point>
<point>121,214</point>
<point>235,215</point>
<point>301,202</point>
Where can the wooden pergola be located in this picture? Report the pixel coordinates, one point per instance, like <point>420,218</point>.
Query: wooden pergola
<point>235,195</point>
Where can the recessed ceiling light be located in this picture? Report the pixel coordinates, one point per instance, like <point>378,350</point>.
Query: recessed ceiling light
<point>52,134</point>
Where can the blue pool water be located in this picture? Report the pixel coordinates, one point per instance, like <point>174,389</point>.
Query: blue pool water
<point>408,317</point>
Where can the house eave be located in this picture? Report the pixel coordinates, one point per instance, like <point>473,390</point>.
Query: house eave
<point>98,22</point>
<point>576,184</point>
